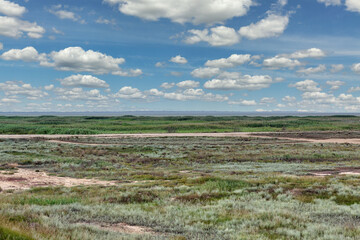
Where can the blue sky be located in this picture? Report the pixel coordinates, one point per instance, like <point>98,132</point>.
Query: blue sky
<point>180,55</point>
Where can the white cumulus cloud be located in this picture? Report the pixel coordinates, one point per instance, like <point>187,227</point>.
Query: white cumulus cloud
<point>356,68</point>
<point>216,36</point>
<point>178,59</point>
<point>15,89</point>
<point>167,85</point>
<point>312,70</point>
<point>15,28</point>
<point>330,2</point>
<point>83,81</point>
<point>196,12</point>
<point>335,84</point>
<point>78,60</point>
<point>79,94</point>
<point>352,5</point>
<point>232,61</point>
<point>243,103</point>
<point>11,9</point>
<point>195,94</point>
<point>336,68</point>
<point>129,93</point>
<point>272,26</point>
<point>306,86</point>
<point>308,53</point>
<point>278,62</point>
<point>28,54</point>
<point>239,82</point>
<point>205,72</point>
<point>188,84</point>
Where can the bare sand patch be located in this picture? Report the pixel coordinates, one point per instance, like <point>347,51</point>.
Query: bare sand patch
<point>292,136</point>
<point>338,171</point>
<point>24,179</point>
<point>121,228</point>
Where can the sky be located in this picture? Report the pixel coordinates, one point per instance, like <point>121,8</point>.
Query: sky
<point>179,55</point>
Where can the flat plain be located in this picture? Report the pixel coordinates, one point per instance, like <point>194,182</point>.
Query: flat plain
<point>247,178</point>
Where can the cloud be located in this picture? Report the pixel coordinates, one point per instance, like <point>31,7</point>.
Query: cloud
<point>289,99</point>
<point>195,94</point>
<point>308,53</point>
<point>1,46</point>
<point>28,54</point>
<point>160,64</point>
<point>9,100</point>
<point>272,26</point>
<point>15,89</point>
<point>62,14</point>
<point>166,85</point>
<point>188,84</point>
<point>319,97</point>
<point>282,3</point>
<point>243,102</point>
<point>311,70</point>
<point>278,62</point>
<point>128,73</point>
<point>352,5</point>
<point>330,2</point>
<point>83,81</point>
<point>336,68</point>
<point>57,31</point>
<point>129,93</point>
<point>79,94</point>
<point>306,86</point>
<point>49,87</point>
<point>196,12</point>
<point>239,82</point>
<point>267,100</point>
<point>178,59</point>
<point>65,14</point>
<point>205,72</point>
<point>11,9</point>
<point>102,20</point>
<point>74,59</point>
<point>354,89</point>
<point>356,68</point>
<point>335,84</point>
<point>15,28</point>
<point>232,61</point>
<point>216,36</point>
<point>78,60</point>
<point>154,92</point>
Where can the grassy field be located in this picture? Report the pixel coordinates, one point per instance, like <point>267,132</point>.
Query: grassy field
<point>132,124</point>
<point>185,188</point>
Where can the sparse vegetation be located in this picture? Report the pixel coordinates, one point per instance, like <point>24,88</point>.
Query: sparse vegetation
<point>133,124</point>
<point>184,188</point>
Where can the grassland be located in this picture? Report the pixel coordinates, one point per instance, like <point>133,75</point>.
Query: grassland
<point>185,188</point>
<point>132,124</point>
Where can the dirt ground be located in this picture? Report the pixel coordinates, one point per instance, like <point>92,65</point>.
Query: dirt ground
<point>337,171</point>
<point>314,137</point>
<point>22,179</point>
<point>121,228</point>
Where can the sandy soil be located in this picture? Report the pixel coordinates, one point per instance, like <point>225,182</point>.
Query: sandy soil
<point>57,138</point>
<point>24,179</point>
<point>122,228</point>
<point>338,171</point>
